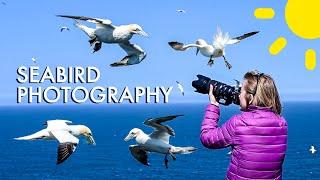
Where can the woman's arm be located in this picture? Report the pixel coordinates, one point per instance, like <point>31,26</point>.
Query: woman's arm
<point>215,137</point>
<point>211,135</point>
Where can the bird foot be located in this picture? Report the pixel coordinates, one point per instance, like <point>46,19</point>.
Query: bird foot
<point>166,161</point>
<point>92,41</point>
<point>210,62</point>
<point>229,66</point>
<point>97,46</point>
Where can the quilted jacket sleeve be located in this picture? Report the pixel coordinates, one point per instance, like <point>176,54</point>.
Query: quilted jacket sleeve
<point>215,137</point>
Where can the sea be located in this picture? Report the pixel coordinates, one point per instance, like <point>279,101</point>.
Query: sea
<point>111,158</point>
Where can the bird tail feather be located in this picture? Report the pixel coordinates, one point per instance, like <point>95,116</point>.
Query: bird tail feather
<point>183,150</point>
<point>220,40</point>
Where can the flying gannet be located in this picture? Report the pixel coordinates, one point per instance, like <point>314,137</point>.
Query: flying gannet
<point>181,11</point>
<point>180,87</point>
<point>34,60</point>
<point>106,32</point>
<point>312,149</point>
<point>65,133</point>
<point>157,141</point>
<point>214,50</point>
<point>62,28</point>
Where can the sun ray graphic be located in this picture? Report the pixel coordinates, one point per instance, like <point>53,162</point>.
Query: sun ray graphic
<point>310,59</point>
<point>264,13</point>
<point>302,18</point>
<point>277,46</point>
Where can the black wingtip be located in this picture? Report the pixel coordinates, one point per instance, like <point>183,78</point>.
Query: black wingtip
<point>173,43</point>
<point>67,16</point>
<point>251,33</point>
<point>255,32</point>
<point>247,35</point>
<point>64,151</point>
<point>116,65</point>
<point>175,116</point>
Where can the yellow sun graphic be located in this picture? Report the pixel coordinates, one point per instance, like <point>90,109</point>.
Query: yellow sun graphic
<point>302,18</point>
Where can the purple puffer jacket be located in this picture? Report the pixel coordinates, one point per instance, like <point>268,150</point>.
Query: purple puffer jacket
<point>258,138</point>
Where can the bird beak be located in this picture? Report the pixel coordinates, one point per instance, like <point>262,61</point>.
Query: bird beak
<point>142,33</point>
<point>90,140</point>
<point>129,137</point>
<point>197,51</point>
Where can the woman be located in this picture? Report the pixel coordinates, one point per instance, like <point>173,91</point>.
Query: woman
<point>257,136</point>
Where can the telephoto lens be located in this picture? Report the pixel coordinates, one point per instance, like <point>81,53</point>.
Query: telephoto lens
<point>225,94</point>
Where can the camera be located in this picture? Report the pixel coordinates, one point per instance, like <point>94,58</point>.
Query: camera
<point>225,94</point>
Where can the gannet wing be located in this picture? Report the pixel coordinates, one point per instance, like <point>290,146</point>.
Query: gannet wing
<point>139,154</point>
<point>64,151</point>
<point>98,21</point>
<point>38,135</point>
<point>63,136</point>
<point>239,38</point>
<point>57,123</point>
<point>180,46</point>
<point>312,148</point>
<point>162,132</point>
<point>135,55</point>
<point>64,28</point>
<point>131,49</point>
<point>180,88</point>
<point>67,144</point>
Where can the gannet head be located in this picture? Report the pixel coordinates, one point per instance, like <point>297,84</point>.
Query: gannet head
<point>132,134</point>
<point>136,29</point>
<point>86,132</point>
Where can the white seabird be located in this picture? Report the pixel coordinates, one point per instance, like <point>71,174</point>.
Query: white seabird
<point>106,32</point>
<point>62,28</point>
<point>214,50</point>
<point>157,141</point>
<point>312,149</point>
<point>34,60</point>
<point>181,11</point>
<point>180,88</point>
<point>65,133</point>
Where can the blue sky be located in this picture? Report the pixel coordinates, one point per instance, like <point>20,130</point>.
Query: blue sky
<point>31,29</point>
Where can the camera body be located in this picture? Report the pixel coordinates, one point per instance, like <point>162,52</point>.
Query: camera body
<point>225,94</point>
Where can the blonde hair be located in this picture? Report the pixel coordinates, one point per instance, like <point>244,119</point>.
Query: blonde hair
<point>264,90</point>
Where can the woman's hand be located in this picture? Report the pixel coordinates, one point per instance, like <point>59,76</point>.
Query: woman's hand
<point>212,98</point>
